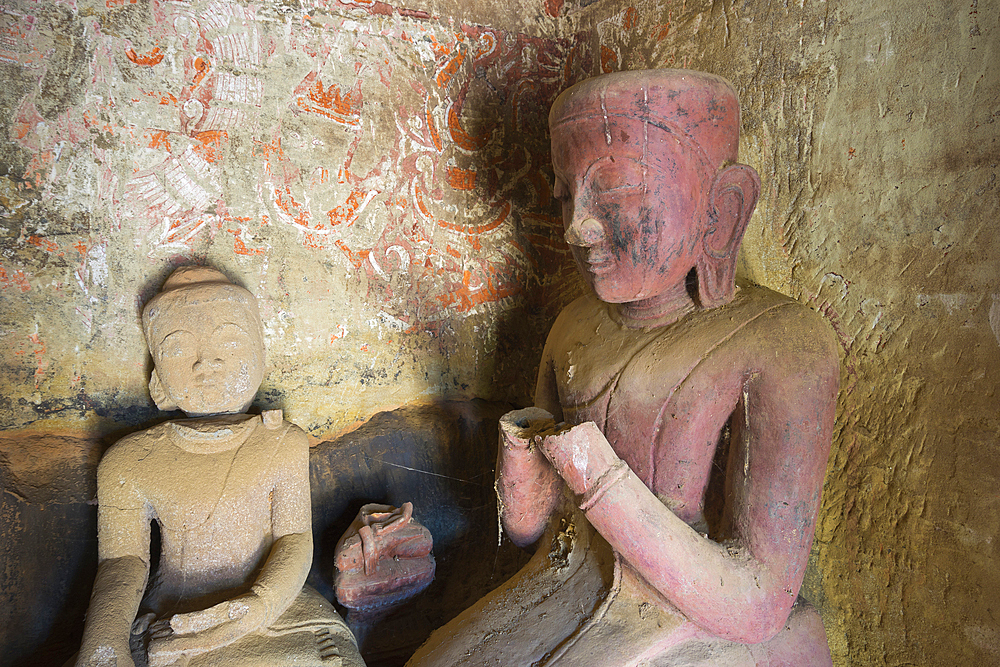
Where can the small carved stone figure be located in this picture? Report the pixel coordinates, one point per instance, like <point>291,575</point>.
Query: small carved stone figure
<point>676,456</point>
<point>230,494</point>
<point>383,559</point>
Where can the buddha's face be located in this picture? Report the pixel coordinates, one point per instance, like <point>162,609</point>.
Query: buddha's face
<point>632,209</point>
<point>209,357</point>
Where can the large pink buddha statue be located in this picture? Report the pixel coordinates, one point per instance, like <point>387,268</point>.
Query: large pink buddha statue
<point>673,464</point>
<point>230,494</point>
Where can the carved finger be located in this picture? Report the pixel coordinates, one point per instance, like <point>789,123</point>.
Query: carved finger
<point>518,427</point>
<point>197,621</point>
<point>160,629</point>
<point>580,455</point>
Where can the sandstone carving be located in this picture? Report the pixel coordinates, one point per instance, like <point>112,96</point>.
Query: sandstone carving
<point>383,559</point>
<point>229,493</point>
<point>673,464</point>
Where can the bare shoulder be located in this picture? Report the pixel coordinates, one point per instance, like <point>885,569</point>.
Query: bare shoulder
<point>130,451</point>
<point>581,310</point>
<point>125,475</point>
<point>788,338</point>
<point>294,437</point>
<point>577,321</point>
<point>292,446</point>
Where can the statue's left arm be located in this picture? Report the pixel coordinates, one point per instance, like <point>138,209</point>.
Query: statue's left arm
<point>744,589</point>
<point>281,578</point>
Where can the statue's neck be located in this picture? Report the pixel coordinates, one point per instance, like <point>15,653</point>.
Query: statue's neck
<point>656,311</point>
<point>208,435</point>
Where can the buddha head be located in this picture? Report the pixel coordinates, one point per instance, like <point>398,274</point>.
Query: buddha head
<point>206,339</point>
<point>645,167</point>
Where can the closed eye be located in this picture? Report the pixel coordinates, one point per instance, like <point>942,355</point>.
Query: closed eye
<point>230,336</point>
<point>177,344</point>
<point>618,177</point>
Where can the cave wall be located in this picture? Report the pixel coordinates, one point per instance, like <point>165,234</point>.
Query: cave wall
<point>377,176</point>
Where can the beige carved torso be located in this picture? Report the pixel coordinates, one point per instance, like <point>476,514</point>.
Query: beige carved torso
<point>212,492</point>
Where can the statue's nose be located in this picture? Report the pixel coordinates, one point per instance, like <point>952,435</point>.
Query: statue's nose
<point>584,232</point>
<point>206,362</point>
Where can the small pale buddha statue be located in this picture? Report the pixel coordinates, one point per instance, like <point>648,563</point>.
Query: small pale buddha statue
<point>672,466</point>
<point>229,492</point>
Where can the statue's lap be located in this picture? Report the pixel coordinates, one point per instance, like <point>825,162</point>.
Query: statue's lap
<point>309,634</point>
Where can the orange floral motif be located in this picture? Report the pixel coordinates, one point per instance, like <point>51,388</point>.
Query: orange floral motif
<point>348,212</point>
<point>240,248</point>
<point>496,286</point>
<point>159,138</point>
<point>432,128</point>
<point>470,230</point>
<point>461,179</point>
<point>449,69</point>
<point>463,138</point>
<point>211,144</point>
<point>631,18</point>
<point>44,244</point>
<point>18,280</point>
<point>609,60</point>
<point>201,67</point>
<point>286,202</point>
<point>330,102</point>
<point>147,59</point>
<point>662,30</point>
<point>355,258</point>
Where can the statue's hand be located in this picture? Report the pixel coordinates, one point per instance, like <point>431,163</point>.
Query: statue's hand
<point>187,635</point>
<point>581,455</point>
<point>519,427</point>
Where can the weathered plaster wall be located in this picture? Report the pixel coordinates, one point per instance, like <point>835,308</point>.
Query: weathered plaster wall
<point>377,176</point>
<point>874,130</point>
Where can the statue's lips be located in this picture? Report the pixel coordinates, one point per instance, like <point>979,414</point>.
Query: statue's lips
<point>600,264</point>
<point>209,384</point>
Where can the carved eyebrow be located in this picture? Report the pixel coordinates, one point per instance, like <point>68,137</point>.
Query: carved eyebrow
<point>610,159</point>
<point>230,324</point>
<point>626,161</point>
<point>175,331</point>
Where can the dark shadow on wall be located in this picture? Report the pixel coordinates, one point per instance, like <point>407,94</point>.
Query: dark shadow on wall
<point>441,458</point>
<point>48,546</point>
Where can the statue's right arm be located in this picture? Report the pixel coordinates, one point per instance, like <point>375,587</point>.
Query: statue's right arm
<point>123,545</point>
<point>528,487</point>
<point>113,605</point>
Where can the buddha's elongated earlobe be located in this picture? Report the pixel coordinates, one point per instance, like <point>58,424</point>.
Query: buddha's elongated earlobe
<point>159,394</point>
<point>731,203</point>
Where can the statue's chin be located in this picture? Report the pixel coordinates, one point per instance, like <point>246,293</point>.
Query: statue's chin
<point>208,404</point>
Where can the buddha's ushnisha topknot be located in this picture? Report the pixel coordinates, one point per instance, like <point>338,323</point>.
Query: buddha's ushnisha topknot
<point>190,285</point>
<point>700,110</point>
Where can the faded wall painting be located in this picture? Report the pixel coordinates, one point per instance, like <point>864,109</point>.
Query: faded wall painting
<point>378,176</point>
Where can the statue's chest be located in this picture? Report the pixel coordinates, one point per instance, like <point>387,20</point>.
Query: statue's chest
<point>194,491</point>
<point>647,390</point>
<point>623,381</point>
